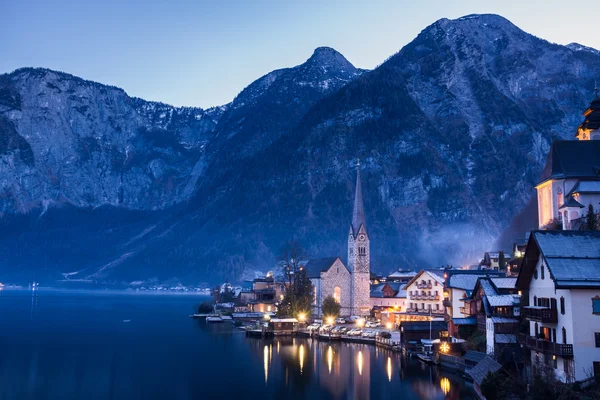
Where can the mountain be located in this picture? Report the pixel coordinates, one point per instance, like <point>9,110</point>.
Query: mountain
<point>69,140</point>
<point>452,133</point>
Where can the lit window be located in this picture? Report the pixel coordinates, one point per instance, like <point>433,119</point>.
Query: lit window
<point>268,308</point>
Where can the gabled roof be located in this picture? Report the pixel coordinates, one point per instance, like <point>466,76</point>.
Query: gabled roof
<point>318,265</point>
<point>572,159</point>
<point>586,187</point>
<point>402,274</point>
<point>467,281</point>
<point>503,300</point>
<point>571,202</point>
<point>377,290</point>
<point>474,356</point>
<point>572,257</point>
<point>504,283</point>
<point>433,273</point>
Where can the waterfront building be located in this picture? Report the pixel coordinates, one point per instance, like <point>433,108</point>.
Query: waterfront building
<point>570,181</point>
<point>458,288</point>
<point>560,280</point>
<point>349,285</point>
<point>424,295</point>
<point>388,295</point>
<point>495,303</point>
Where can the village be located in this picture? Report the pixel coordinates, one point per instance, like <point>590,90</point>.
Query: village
<point>524,313</point>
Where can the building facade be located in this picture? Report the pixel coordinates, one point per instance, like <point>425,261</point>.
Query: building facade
<point>350,285</point>
<point>424,294</point>
<point>560,279</point>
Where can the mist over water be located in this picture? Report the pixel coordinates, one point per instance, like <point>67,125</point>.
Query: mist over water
<point>92,345</point>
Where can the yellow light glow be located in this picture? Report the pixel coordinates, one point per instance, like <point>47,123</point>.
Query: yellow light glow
<point>359,322</point>
<point>445,385</point>
<point>277,347</point>
<point>266,362</point>
<point>388,325</point>
<point>445,347</point>
<point>301,357</point>
<point>330,320</point>
<point>389,369</point>
<point>329,359</point>
<point>270,353</point>
<point>359,362</point>
<point>301,317</point>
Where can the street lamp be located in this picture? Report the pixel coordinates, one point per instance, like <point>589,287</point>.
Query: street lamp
<point>301,317</point>
<point>330,320</point>
<point>389,326</point>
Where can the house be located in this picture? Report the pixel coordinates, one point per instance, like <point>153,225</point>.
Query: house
<point>458,287</point>
<point>424,295</point>
<point>495,303</point>
<point>401,275</point>
<point>560,280</point>
<point>388,295</point>
<point>494,260</point>
<point>283,326</point>
<point>349,285</point>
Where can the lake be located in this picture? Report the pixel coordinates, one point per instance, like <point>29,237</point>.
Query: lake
<point>100,345</point>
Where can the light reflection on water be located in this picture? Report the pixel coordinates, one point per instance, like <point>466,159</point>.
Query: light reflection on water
<point>60,346</point>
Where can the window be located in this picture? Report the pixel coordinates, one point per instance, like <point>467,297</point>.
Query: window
<point>564,336</point>
<point>535,301</point>
<point>337,270</point>
<point>562,305</point>
<point>437,307</point>
<point>351,251</point>
<point>542,270</point>
<point>362,251</point>
<point>536,331</point>
<point>554,335</point>
<point>554,361</point>
<point>596,305</point>
<point>596,368</point>
<point>535,273</point>
<point>337,293</point>
<point>560,198</point>
<point>597,337</point>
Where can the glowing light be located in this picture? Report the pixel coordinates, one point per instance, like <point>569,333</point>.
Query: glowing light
<point>330,320</point>
<point>301,357</point>
<point>445,385</point>
<point>266,362</point>
<point>445,347</point>
<point>329,358</point>
<point>267,317</point>
<point>270,353</point>
<point>389,369</point>
<point>301,317</point>
<point>359,362</point>
<point>388,325</point>
<point>277,347</point>
<point>360,322</point>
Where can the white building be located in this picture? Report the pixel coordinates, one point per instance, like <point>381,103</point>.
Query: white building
<point>424,293</point>
<point>570,180</point>
<point>561,277</point>
<point>349,285</point>
<point>388,295</point>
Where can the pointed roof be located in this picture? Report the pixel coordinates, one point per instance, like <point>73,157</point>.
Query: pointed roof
<point>591,114</point>
<point>572,159</point>
<point>358,214</point>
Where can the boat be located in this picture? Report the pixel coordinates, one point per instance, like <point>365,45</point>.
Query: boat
<point>214,318</point>
<point>425,358</point>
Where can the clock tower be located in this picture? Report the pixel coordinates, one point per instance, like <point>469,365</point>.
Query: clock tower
<point>359,254</point>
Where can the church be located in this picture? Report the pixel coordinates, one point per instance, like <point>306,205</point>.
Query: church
<point>349,285</point>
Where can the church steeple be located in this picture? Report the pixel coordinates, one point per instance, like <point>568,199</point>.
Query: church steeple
<point>589,129</point>
<point>358,214</point>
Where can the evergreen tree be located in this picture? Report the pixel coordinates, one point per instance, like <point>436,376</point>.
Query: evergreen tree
<point>591,220</point>
<point>299,290</point>
<point>331,308</point>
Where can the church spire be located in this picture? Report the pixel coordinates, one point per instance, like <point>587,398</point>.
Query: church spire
<point>358,214</point>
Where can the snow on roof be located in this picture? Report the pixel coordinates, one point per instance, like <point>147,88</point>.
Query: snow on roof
<point>502,300</point>
<point>402,274</point>
<point>482,368</point>
<point>487,287</point>
<point>464,321</point>
<point>463,281</point>
<point>573,257</point>
<point>505,283</point>
<point>506,338</point>
<point>504,320</point>
<point>591,187</point>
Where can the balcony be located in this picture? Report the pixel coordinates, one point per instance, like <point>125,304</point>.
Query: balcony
<point>424,285</point>
<point>545,346</point>
<point>547,315</point>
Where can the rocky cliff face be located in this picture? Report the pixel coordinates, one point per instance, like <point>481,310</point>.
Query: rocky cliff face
<point>452,132</point>
<point>88,144</point>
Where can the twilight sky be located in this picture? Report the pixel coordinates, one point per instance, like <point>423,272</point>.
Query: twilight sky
<point>204,52</point>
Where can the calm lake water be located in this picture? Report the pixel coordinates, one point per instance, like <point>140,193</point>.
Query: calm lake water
<point>74,345</point>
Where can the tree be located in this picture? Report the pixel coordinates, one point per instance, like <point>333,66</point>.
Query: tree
<point>591,220</point>
<point>331,308</point>
<point>205,308</point>
<point>299,290</point>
